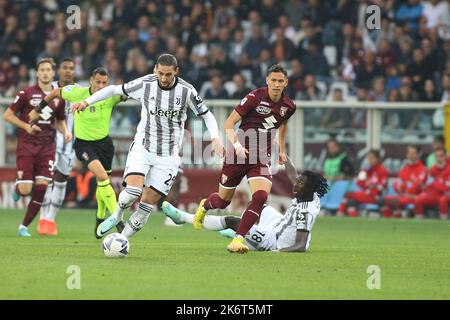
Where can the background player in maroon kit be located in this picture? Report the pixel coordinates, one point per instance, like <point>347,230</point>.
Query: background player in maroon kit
<point>372,181</point>
<point>261,112</point>
<point>36,141</point>
<point>409,183</point>
<point>436,192</point>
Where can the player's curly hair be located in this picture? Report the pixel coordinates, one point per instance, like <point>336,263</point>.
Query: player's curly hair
<point>317,182</point>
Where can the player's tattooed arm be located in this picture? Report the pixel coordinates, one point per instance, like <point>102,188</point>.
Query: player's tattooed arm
<point>232,136</point>
<point>300,242</point>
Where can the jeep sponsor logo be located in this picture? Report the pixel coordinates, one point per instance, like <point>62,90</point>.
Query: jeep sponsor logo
<point>165,113</point>
<point>263,110</point>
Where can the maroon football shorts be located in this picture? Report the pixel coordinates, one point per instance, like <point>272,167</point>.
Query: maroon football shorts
<point>35,162</point>
<point>232,174</point>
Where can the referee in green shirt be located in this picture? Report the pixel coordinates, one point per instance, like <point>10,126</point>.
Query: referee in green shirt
<point>93,145</point>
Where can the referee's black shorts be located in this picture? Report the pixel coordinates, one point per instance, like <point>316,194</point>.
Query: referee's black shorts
<point>102,150</point>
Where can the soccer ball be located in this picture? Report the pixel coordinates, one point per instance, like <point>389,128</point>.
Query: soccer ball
<point>116,245</point>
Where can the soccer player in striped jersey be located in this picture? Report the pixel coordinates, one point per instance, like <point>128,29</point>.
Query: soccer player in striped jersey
<point>274,231</point>
<point>153,158</point>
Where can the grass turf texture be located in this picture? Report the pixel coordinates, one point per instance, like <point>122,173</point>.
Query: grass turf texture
<point>181,263</point>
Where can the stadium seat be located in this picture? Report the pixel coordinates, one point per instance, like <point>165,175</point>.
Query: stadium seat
<point>334,197</point>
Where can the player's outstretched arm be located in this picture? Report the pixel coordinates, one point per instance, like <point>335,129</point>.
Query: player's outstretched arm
<point>100,95</point>
<point>232,136</point>
<point>291,171</point>
<point>213,129</point>
<point>300,242</point>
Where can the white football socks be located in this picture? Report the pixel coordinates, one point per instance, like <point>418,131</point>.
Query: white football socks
<point>137,220</point>
<point>58,195</point>
<point>126,199</point>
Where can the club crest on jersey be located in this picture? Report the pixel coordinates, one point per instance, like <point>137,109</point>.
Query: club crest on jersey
<point>85,156</point>
<point>19,175</point>
<point>263,110</point>
<point>178,101</point>
<point>283,111</point>
<point>224,178</point>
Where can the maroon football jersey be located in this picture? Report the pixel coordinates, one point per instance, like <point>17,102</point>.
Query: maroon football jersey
<point>261,117</point>
<point>25,101</point>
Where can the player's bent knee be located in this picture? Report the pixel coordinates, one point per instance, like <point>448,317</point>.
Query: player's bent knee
<point>25,188</point>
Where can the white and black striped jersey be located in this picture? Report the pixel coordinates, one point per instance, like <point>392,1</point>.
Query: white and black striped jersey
<point>299,216</point>
<point>163,113</point>
<point>61,146</point>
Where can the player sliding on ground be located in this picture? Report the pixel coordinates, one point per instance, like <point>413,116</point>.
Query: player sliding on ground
<point>153,159</point>
<point>290,232</point>
<point>261,112</point>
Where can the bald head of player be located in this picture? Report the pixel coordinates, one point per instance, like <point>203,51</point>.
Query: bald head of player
<point>309,183</point>
<point>166,69</point>
<point>276,81</point>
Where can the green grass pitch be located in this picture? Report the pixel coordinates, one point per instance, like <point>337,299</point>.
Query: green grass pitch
<point>180,263</point>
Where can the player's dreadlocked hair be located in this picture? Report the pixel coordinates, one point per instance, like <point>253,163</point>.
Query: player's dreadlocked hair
<point>317,182</point>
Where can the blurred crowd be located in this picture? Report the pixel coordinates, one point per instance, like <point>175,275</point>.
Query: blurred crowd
<point>421,188</point>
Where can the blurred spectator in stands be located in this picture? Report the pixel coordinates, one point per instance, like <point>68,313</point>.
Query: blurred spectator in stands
<point>409,14</point>
<point>8,77</point>
<point>143,27</point>
<point>435,191</point>
<point>305,35</point>
<point>385,57</point>
<point>432,55</point>
<point>314,61</point>
<point>296,79</point>
<point>391,118</point>
<point>336,118</point>
<point>418,71</point>
<point>122,14</point>
<point>200,71</point>
<point>429,92</point>
<point>270,11</point>
<point>256,44</point>
<point>344,45</point>
<point>219,62</point>
<point>99,11</point>
<point>378,91</point>
<point>223,41</point>
<point>405,53</point>
<point>408,120</point>
<point>151,51</point>
<point>293,11</point>
<point>201,47</point>
<point>438,143</point>
<point>393,79</point>
<point>237,45</point>
<point>286,26</point>
<point>311,91</point>
<point>259,69</point>
<point>372,180</point>
<point>338,169</point>
<point>51,51</point>
<point>81,187</point>
<point>186,33</point>
<point>23,78</point>
<point>408,184</point>
<point>241,89</point>
<point>131,43</point>
<point>184,63</point>
<point>216,91</point>
<point>282,48</point>
<point>433,12</point>
<point>359,114</point>
<point>172,44</point>
<point>367,71</point>
<point>438,116</point>
<point>79,59</point>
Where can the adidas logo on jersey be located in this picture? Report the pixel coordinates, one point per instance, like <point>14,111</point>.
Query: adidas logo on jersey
<point>165,113</point>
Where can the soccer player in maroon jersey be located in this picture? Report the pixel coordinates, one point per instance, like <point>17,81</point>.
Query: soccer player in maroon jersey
<point>261,112</point>
<point>36,141</point>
